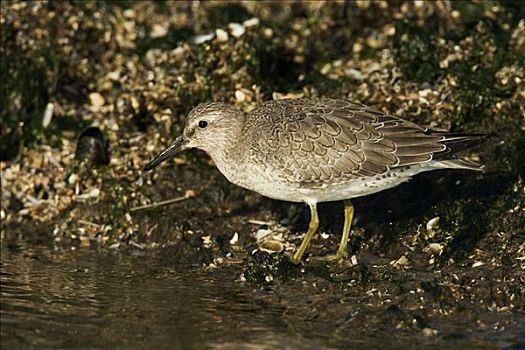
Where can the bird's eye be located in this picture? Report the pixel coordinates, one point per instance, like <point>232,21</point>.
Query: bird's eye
<point>203,124</point>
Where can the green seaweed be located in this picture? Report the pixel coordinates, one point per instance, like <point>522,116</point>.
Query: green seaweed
<point>414,52</point>
<point>221,14</point>
<point>29,84</point>
<point>478,90</point>
<point>267,268</point>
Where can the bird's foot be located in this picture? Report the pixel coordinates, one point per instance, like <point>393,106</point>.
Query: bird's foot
<point>340,255</point>
<point>295,261</point>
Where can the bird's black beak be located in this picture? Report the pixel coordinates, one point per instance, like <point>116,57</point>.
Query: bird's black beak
<point>167,153</point>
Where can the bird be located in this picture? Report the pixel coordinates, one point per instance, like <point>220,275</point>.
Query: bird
<point>314,150</point>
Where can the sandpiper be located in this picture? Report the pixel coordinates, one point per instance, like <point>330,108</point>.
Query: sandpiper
<point>317,150</point>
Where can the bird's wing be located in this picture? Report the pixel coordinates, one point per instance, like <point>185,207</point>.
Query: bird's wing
<point>323,139</point>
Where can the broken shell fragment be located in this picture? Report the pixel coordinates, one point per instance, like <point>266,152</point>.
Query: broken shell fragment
<point>271,246</point>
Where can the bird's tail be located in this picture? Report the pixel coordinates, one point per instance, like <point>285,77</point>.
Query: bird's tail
<point>460,163</point>
<point>456,142</point>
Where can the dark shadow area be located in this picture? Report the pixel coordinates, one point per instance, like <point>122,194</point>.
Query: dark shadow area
<point>221,14</point>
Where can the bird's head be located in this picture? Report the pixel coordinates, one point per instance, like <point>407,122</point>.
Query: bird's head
<point>211,127</point>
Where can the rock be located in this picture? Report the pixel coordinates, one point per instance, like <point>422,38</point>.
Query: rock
<point>240,96</point>
<point>236,29</point>
<point>92,147</point>
<point>96,99</point>
<point>222,35</point>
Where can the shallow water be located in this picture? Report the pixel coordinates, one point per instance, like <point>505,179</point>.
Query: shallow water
<point>87,300</point>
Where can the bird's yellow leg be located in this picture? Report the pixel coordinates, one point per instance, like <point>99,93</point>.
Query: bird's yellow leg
<point>341,252</point>
<point>312,228</point>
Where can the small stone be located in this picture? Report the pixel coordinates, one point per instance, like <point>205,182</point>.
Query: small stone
<point>262,233</point>
<point>433,224</point>
<point>222,35</point>
<point>199,39</point>
<point>129,13</point>
<point>435,248</point>
<point>115,75</point>
<point>73,179</point>
<point>37,162</point>
<point>401,262</point>
<point>240,96</point>
<point>236,29</point>
<point>353,260</point>
<point>206,241</point>
<point>159,30</point>
<point>268,32</point>
<point>189,193</point>
<point>429,332</point>
<point>252,22</point>
<point>96,99</point>
<point>478,263</point>
<point>234,239</point>
<point>94,193</point>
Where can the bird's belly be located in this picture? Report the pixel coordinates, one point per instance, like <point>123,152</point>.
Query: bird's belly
<point>324,192</point>
<point>351,189</point>
<point>364,186</point>
<point>327,191</point>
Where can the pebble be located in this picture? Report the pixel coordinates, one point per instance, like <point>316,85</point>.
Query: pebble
<point>252,22</point>
<point>234,239</point>
<point>261,233</point>
<point>353,260</point>
<point>222,35</point>
<point>199,39</point>
<point>159,30</point>
<point>96,99</point>
<point>433,224</point>
<point>399,263</point>
<point>73,179</point>
<point>429,332</point>
<point>237,29</point>
<point>435,248</point>
<point>240,96</point>
<point>478,263</point>
<point>206,241</point>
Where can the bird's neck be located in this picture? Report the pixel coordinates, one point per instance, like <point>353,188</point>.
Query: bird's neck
<point>229,159</point>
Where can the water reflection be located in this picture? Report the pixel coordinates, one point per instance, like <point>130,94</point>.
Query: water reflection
<point>87,300</point>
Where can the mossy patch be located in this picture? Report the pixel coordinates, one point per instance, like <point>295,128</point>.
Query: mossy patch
<point>267,268</point>
<point>414,52</point>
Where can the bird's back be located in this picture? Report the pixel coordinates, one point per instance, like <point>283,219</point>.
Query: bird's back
<point>324,142</point>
